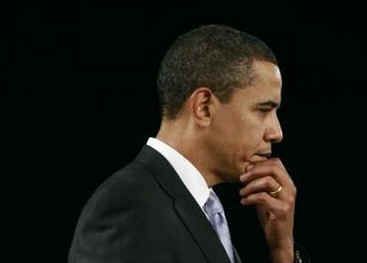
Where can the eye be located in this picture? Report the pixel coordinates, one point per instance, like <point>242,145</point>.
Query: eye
<point>265,110</point>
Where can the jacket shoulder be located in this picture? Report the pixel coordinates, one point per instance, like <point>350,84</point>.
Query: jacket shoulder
<point>114,216</point>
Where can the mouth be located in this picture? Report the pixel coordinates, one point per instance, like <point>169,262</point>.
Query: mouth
<point>266,155</point>
<point>258,157</point>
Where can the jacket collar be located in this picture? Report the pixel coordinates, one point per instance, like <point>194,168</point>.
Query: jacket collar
<point>185,206</point>
<point>188,173</point>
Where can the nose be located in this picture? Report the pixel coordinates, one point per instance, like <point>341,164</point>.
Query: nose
<point>274,133</point>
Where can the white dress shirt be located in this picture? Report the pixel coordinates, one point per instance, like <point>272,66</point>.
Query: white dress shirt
<point>190,176</point>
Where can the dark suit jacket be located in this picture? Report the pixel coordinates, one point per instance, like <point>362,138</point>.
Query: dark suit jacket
<point>144,213</point>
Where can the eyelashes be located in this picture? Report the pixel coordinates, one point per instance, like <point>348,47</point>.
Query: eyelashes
<point>265,110</point>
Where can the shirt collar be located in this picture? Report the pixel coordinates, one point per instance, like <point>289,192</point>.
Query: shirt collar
<point>190,176</point>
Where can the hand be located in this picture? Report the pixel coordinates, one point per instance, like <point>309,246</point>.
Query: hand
<point>276,213</point>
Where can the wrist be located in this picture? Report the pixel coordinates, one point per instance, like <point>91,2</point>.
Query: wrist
<point>283,254</point>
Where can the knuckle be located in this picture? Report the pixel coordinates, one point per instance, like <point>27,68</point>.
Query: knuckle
<point>262,197</point>
<point>275,168</point>
<point>292,200</point>
<point>286,209</point>
<point>245,191</point>
<point>268,184</point>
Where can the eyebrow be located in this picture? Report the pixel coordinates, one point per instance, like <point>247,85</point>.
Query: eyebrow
<point>270,103</point>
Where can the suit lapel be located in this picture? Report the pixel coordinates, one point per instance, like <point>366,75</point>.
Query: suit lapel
<point>185,205</point>
<point>236,255</point>
<point>200,229</point>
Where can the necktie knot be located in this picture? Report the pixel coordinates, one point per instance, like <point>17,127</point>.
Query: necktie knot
<point>213,205</point>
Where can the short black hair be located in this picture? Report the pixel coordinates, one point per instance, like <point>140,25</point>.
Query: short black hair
<point>215,56</point>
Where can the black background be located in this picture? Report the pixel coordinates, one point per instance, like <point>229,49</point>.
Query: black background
<point>78,101</point>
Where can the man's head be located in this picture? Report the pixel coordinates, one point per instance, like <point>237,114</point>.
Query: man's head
<point>211,84</point>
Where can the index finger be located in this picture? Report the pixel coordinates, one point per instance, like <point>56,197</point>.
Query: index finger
<point>272,167</point>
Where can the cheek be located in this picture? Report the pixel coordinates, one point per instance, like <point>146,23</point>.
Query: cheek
<point>252,128</point>
<point>252,135</point>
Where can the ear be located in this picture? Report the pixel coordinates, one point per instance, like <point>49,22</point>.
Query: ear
<point>202,106</point>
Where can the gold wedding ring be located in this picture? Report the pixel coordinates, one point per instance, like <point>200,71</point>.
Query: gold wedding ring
<point>275,193</point>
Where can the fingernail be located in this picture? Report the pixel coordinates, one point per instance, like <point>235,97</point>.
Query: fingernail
<point>244,177</point>
<point>250,167</point>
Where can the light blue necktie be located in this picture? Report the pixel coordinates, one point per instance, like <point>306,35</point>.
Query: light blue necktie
<point>214,210</point>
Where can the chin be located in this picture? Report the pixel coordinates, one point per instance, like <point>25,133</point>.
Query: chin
<point>244,165</point>
<point>233,177</point>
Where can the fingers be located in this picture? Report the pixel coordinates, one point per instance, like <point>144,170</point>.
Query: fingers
<point>280,209</point>
<point>272,167</point>
<point>263,184</point>
<point>266,177</point>
<point>275,212</point>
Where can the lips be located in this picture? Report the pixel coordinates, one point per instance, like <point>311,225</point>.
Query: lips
<point>262,156</point>
<point>258,157</point>
<point>266,155</point>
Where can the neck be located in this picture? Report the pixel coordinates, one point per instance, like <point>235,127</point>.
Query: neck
<point>190,146</point>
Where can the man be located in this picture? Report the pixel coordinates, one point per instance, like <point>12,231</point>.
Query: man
<point>219,90</point>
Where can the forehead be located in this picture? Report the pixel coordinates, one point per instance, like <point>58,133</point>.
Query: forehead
<point>267,84</point>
